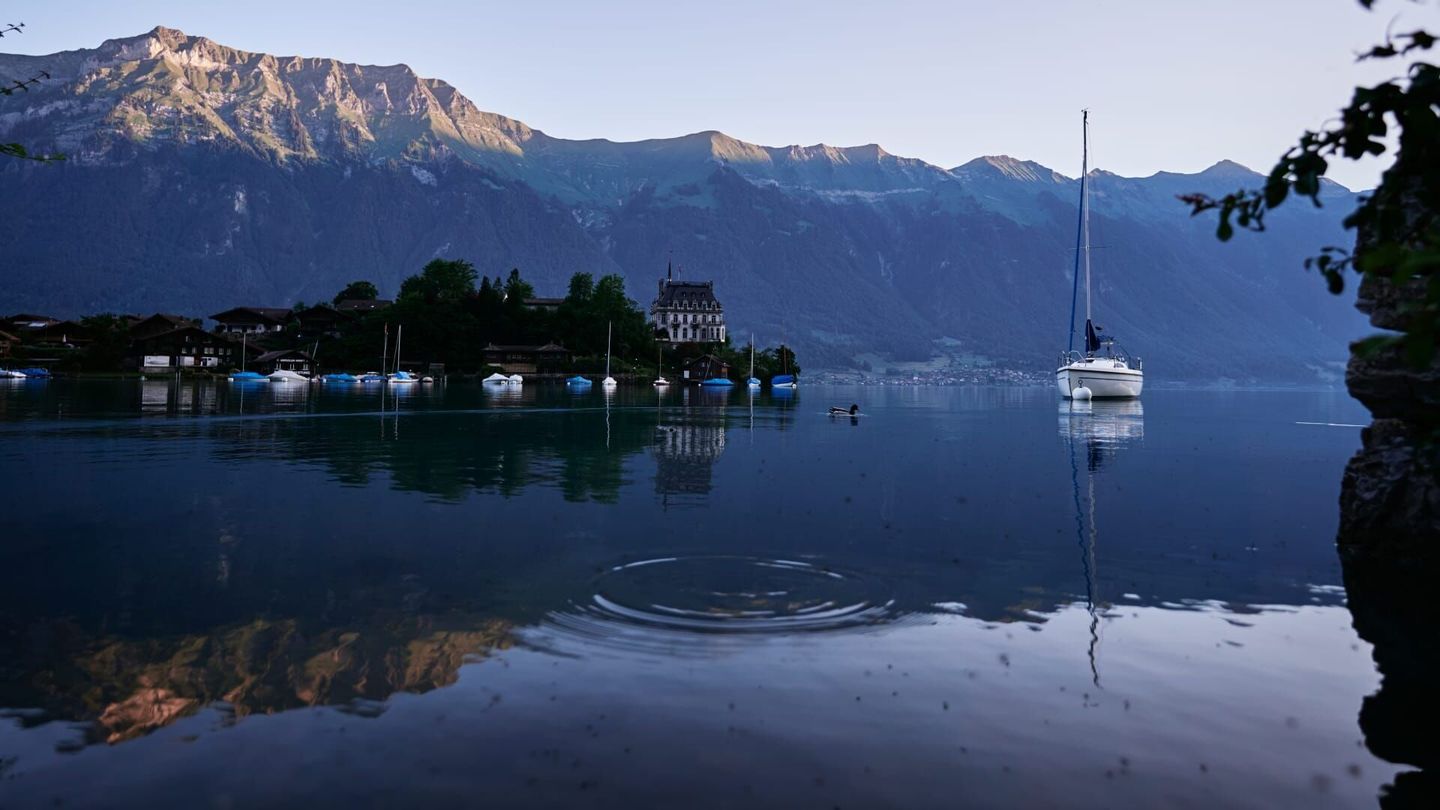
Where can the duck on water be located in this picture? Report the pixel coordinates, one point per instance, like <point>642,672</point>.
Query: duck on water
<point>853,410</point>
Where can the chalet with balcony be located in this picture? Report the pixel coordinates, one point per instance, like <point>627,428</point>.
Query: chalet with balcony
<point>251,320</point>
<point>284,360</point>
<point>528,359</point>
<point>704,367</point>
<point>188,347</point>
<point>687,312</point>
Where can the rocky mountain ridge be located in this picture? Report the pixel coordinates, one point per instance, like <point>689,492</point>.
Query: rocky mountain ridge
<point>201,176</point>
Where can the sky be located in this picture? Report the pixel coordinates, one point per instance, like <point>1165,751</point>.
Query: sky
<point>1172,85</point>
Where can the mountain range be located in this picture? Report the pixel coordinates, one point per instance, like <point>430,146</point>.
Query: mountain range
<point>199,177</point>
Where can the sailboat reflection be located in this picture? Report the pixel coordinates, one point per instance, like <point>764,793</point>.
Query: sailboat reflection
<point>1101,429</point>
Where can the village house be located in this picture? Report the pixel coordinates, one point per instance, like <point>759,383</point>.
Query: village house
<point>8,342</point>
<point>527,359</point>
<point>687,312</point>
<point>22,322</point>
<point>251,320</point>
<point>284,360</point>
<point>320,320</point>
<point>63,334</point>
<point>543,304</point>
<point>705,367</point>
<point>159,323</point>
<point>360,306</point>
<point>187,347</point>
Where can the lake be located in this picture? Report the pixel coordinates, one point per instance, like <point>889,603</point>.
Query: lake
<point>265,594</point>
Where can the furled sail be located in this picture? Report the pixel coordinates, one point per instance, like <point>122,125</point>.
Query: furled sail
<point>1092,339</point>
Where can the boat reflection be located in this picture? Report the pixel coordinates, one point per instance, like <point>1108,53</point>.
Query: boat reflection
<point>1096,431</point>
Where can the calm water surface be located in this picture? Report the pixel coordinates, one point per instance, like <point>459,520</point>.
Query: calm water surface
<point>246,595</point>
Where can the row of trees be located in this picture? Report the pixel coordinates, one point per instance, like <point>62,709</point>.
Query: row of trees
<point>451,313</point>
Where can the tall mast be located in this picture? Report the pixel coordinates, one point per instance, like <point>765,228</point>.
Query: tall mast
<point>1085,202</point>
<point>399,333</point>
<point>385,349</point>
<point>607,349</point>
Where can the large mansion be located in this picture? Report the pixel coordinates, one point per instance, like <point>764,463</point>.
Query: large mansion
<point>687,312</point>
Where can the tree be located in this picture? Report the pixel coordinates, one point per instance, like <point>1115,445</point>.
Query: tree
<point>442,280</point>
<point>357,291</point>
<point>1399,223</point>
<point>109,341</point>
<point>517,289</point>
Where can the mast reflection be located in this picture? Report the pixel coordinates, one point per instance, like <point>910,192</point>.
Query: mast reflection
<point>1100,429</point>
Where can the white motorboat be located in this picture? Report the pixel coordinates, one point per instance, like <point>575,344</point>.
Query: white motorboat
<point>1104,370</point>
<point>496,379</point>
<point>516,379</point>
<point>282,375</point>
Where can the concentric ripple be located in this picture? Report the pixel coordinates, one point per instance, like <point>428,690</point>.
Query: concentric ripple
<point>655,600</point>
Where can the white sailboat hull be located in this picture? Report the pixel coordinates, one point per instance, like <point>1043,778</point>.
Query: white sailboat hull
<point>1107,378</point>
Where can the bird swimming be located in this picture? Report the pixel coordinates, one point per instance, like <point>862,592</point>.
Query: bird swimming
<point>850,411</point>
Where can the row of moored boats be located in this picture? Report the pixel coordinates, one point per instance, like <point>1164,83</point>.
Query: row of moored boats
<point>24,374</point>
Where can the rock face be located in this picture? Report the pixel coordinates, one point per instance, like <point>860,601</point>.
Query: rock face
<point>1390,495</point>
<point>200,176</point>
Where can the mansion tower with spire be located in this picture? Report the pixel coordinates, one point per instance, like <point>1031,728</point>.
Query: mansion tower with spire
<point>687,311</point>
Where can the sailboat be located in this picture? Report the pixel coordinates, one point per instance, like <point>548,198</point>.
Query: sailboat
<point>660,381</point>
<point>401,376</point>
<point>608,382</point>
<point>752,382</point>
<point>1103,369</point>
<point>787,380</point>
<point>242,375</point>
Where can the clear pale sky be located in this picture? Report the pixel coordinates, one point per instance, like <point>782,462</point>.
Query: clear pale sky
<point>1172,84</point>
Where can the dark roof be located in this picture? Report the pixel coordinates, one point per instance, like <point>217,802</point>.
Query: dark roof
<point>272,314</point>
<point>681,293</point>
<point>206,337</point>
<point>543,302</point>
<point>362,304</point>
<point>706,359</point>
<point>321,309</point>
<point>164,317</point>
<point>276,355</point>
<point>548,348</point>
<point>23,318</point>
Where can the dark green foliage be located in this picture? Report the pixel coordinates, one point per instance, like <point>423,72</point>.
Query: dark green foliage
<point>1400,221</point>
<point>357,291</point>
<point>442,281</point>
<point>109,342</point>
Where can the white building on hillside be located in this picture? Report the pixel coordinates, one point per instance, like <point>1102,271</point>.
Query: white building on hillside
<point>687,312</point>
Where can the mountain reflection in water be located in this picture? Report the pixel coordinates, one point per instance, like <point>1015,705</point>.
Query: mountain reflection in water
<point>675,597</point>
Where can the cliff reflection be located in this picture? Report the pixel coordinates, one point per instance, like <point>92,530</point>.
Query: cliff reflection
<point>121,688</point>
<point>1394,608</point>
